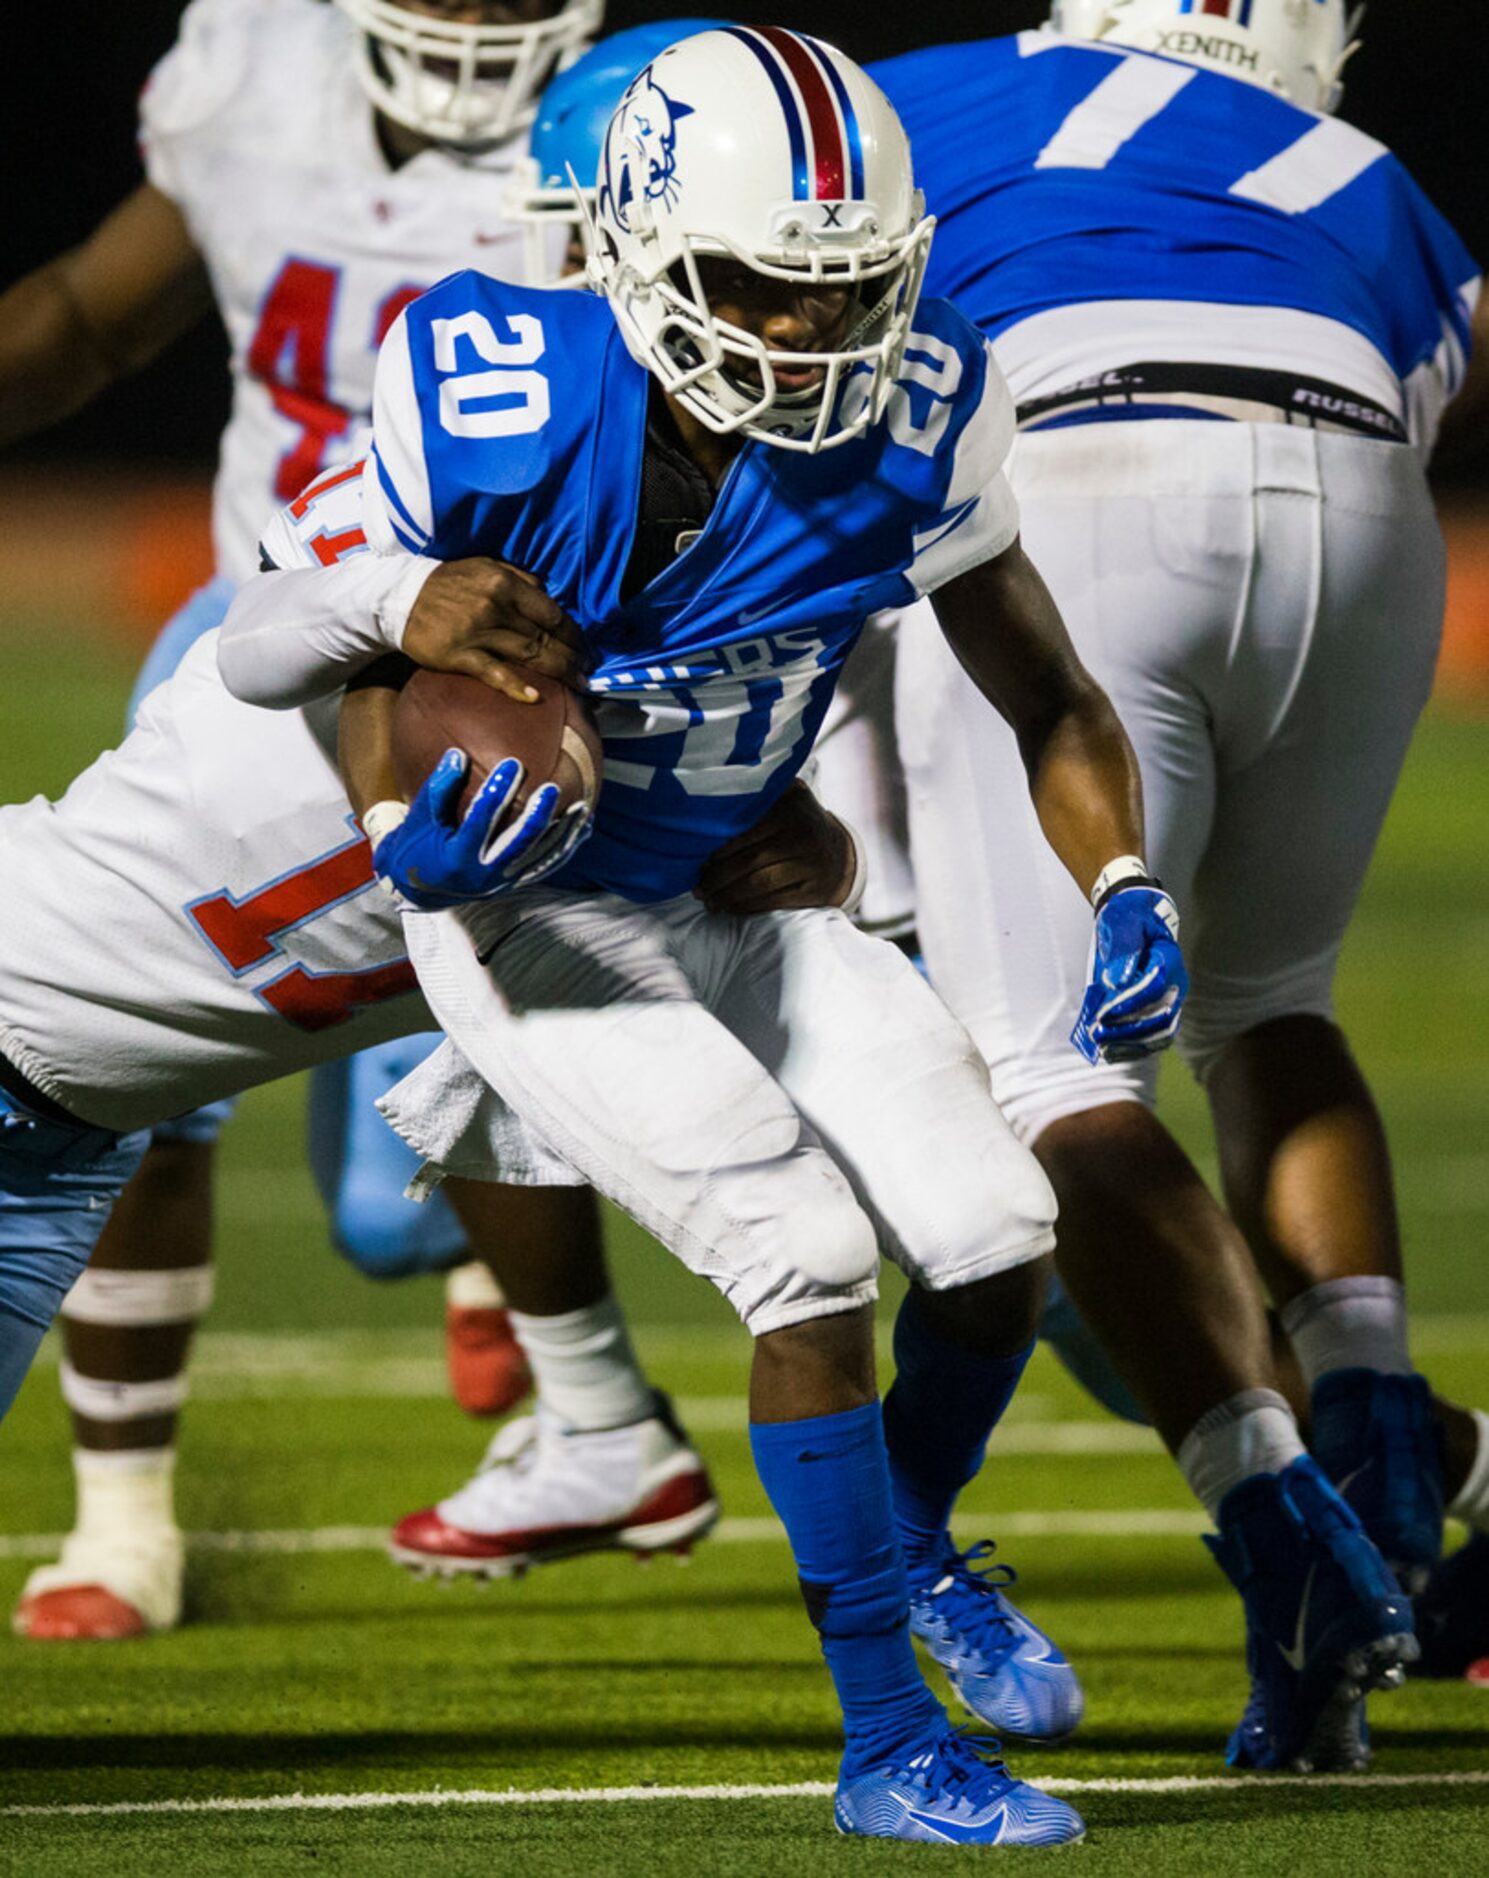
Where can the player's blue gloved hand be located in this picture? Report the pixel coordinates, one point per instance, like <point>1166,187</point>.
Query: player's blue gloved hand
<point>1138,982</point>
<point>436,857</point>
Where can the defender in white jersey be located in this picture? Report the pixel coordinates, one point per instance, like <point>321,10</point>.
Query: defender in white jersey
<point>310,167</point>
<point>247,940</point>
<point>1231,324</point>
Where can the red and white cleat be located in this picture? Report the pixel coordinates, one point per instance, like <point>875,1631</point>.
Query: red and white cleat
<point>103,1593</point>
<point>488,1370</point>
<point>1478,1673</point>
<point>77,1614</point>
<point>547,1493</point>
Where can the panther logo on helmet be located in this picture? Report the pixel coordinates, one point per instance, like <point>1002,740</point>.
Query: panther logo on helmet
<point>641,150</point>
<point>794,167</point>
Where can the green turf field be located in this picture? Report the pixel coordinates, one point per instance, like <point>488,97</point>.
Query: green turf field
<point>311,1667</point>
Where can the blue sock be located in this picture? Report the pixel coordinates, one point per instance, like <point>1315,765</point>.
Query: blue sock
<point>828,1483</point>
<point>945,1402</point>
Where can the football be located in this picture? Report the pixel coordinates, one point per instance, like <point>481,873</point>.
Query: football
<point>554,739</point>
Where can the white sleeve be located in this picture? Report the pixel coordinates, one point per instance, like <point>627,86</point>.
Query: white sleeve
<point>293,636</point>
<point>981,516</point>
<point>347,554</point>
<point>190,86</point>
<point>329,605</point>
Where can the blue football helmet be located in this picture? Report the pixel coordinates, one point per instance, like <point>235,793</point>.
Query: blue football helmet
<point>568,134</point>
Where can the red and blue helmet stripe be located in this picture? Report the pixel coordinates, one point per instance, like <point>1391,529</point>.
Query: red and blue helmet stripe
<point>826,145</point>
<point>1238,11</point>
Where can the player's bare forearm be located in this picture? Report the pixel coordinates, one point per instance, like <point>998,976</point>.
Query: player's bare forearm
<point>1084,781</point>
<point>48,366</point>
<point>97,313</point>
<point>1006,630</point>
<point>797,855</point>
<point>364,744</point>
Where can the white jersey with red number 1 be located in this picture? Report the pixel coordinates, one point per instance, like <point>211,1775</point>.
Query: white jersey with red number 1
<point>256,126</point>
<point>197,914</point>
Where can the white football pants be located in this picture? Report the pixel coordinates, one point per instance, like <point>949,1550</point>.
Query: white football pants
<point>856,775</point>
<point>777,1099</point>
<point>1263,605</point>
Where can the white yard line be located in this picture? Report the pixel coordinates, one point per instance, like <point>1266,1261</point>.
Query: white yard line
<point>1138,1523</point>
<point>1260,1786</point>
<point>409,1361</point>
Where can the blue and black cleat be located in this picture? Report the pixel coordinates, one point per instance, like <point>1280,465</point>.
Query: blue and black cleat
<point>1325,1621</point>
<point>1375,1437</point>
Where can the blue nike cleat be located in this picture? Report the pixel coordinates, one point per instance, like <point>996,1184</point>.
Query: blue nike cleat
<point>1375,1437</point>
<point>949,1794</point>
<point>1004,1668</point>
<point>1325,1621</point>
<point>1453,1612</point>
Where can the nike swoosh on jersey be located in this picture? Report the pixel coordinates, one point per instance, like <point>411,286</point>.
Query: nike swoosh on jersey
<point>748,615</point>
<point>1297,1655</point>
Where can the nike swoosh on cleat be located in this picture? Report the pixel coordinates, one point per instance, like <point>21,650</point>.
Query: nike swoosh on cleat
<point>1342,1487</point>
<point>976,1834</point>
<point>1297,1655</point>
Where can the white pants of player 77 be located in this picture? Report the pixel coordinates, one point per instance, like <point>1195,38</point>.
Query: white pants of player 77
<point>1263,605</point>
<point>778,1099</point>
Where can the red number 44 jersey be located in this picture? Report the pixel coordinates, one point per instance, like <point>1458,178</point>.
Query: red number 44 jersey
<point>256,125</point>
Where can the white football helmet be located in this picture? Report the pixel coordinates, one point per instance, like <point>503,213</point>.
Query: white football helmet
<point>1297,48</point>
<point>771,148</point>
<point>457,78</point>
<point>568,134</point>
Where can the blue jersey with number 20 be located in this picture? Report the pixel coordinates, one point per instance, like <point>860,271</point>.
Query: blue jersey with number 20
<point>511,422</point>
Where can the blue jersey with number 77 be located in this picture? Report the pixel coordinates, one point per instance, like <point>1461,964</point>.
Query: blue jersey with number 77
<point>511,422</point>
<point>1067,175</point>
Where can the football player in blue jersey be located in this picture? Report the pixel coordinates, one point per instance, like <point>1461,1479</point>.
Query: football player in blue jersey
<point>1227,1363</point>
<point>719,475</point>
<point>1231,324</point>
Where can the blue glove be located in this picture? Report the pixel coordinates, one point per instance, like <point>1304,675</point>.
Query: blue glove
<point>437,858</point>
<point>1138,981</point>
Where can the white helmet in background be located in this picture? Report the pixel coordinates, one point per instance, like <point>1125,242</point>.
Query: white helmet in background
<point>771,148</point>
<point>457,77</point>
<point>1296,48</point>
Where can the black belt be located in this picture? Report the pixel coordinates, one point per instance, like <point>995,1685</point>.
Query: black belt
<point>21,1089</point>
<point>1309,401</point>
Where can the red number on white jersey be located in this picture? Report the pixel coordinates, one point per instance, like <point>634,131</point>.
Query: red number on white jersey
<point>291,355</point>
<point>247,932</point>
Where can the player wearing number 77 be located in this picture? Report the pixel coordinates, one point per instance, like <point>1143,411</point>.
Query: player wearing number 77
<point>752,438</point>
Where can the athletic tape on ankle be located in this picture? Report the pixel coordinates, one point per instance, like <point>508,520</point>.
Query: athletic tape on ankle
<point>114,1464</point>
<point>137,1299</point>
<point>120,1401</point>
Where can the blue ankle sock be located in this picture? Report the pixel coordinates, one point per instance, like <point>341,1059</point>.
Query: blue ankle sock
<point>945,1402</point>
<point>827,1480</point>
